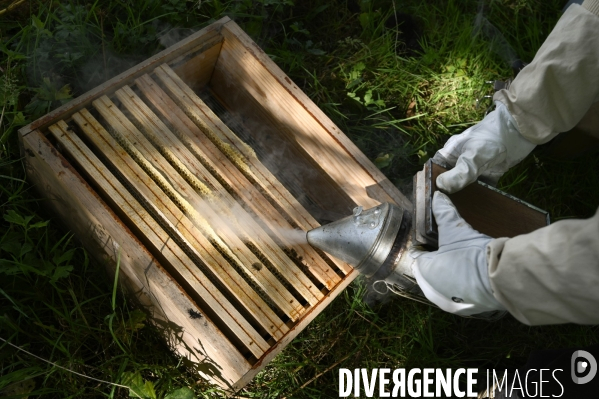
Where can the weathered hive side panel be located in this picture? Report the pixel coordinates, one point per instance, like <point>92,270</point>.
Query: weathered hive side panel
<point>107,239</point>
<point>244,74</point>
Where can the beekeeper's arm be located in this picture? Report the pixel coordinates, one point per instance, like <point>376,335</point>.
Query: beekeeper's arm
<point>549,276</point>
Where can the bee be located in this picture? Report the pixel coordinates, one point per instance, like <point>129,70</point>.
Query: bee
<point>193,314</point>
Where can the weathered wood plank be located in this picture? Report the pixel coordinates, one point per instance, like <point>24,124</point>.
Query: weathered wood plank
<point>196,68</point>
<point>195,207</point>
<point>238,152</point>
<point>232,178</point>
<point>108,240</point>
<point>251,69</point>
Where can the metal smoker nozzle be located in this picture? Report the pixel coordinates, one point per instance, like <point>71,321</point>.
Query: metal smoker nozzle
<point>365,239</point>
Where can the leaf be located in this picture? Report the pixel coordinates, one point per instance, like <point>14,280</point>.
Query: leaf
<point>19,389</point>
<point>383,161</point>
<point>320,9</point>
<point>64,257</point>
<point>422,156</point>
<point>354,83</point>
<point>316,51</point>
<point>17,380</point>
<point>11,243</point>
<point>19,119</point>
<point>149,390</point>
<point>70,58</point>
<point>61,272</point>
<point>39,224</point>
<point>430,57</point>
<point>356,71</point>
<point>36,22</point>
<point>134,382</point>
<point>9,268</point>
<point>48,96</point>
<point>49,92</point>
<point>137,386</point>
<point>366,19</point>
<point>181,393</point>
<point>63,94</point>
<point>368,98</point>
<point>13,217</point>
<point>36,265</point>
<point>136,319</point>
<point>298,28</point>
<point>25,248</point>
<point>13,55</point>
<point>355,97</point>
<point>37,107</point>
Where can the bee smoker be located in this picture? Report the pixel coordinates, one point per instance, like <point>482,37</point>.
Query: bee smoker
<point>375,242</point>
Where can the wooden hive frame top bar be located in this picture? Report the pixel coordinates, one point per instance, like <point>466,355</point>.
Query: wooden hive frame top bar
<point>203,222</point>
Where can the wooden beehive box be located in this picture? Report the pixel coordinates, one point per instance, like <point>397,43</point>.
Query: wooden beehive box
<point>199,171</point>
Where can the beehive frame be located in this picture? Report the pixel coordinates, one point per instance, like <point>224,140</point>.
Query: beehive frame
<point>141,169</point>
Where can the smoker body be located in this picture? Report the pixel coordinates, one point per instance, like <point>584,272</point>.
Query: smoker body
<point>375,241</point>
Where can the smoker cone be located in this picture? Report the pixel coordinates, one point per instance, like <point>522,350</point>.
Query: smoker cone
<point>363,240</point>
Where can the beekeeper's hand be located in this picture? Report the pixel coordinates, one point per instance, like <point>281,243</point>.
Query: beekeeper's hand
<point>456,277</point>
<point>487,149</point>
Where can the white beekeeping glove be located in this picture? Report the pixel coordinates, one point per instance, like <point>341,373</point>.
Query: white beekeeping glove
<point>487,149</point>
<point>456,277</point>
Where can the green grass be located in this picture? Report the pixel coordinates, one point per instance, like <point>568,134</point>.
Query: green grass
<point>399,108</point>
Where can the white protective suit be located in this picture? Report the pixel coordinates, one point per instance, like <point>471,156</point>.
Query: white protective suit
<point>551,275</point>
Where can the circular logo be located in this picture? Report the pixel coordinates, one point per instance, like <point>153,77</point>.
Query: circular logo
<point>583,366</point>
